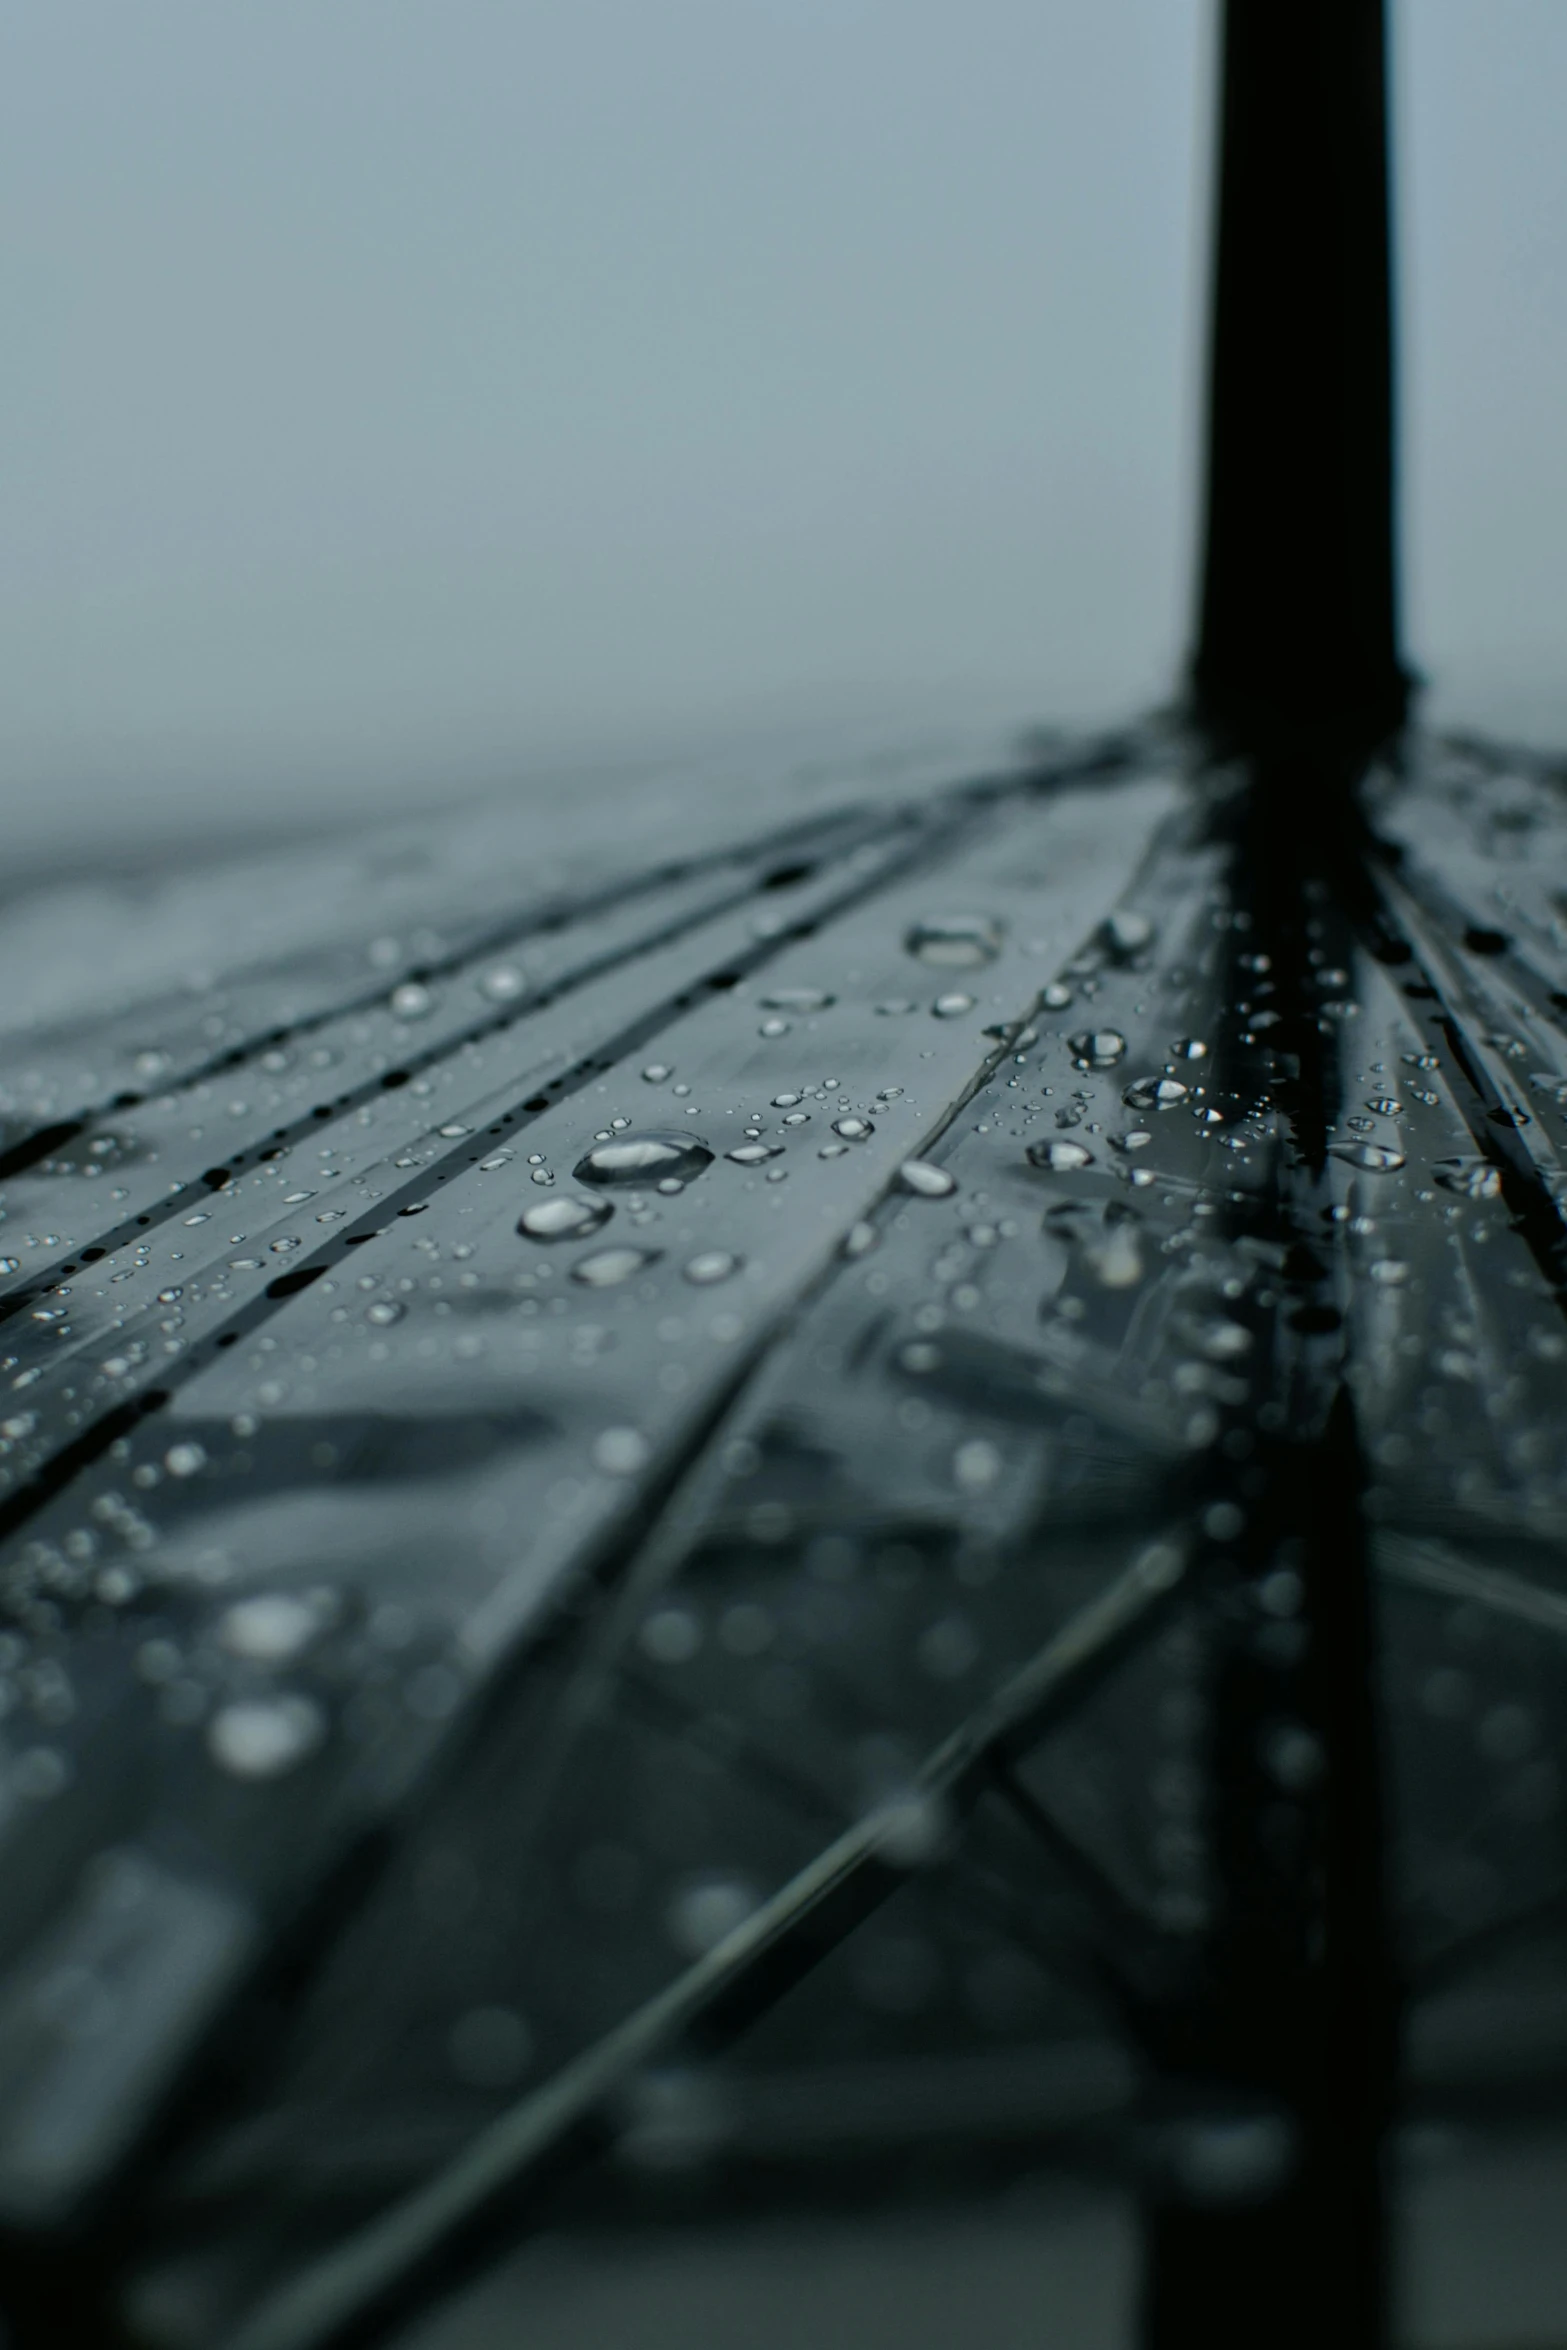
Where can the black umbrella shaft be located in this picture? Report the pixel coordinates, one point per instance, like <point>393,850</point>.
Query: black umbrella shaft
<point>1298,638</point>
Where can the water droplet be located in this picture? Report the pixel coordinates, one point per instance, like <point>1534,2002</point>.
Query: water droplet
<point>1390,1272</point>
<point>955,942</point>
<point>1385,1107</point>
<point>860,1239</point>
<point>10,1264</point>
<point>621,1452</point>
<point>503,983</point>
<point>976,1464</point>
<point>1372,1158</point>
<point>644,1158</point>
<point>926,1181</point>
<point>672,1635</point>
<point>411,1001</point>
<point>702,1913</point>
<point>1222,1341</point>
<point>1060,1158</point>
<point>1137,1138</point>
<point>184,1460</point>
<point>853,1129</point>
<point>610,1266</point>
<point>796,999</point>
<point>1056,996</point>
<point>1191,1048</point>
<point>784,1101</point>
<point>1421,1061</point>
<point>385,1312</point>
<point>564,1218</point>
<point>774,1027</point>
<point>714,1264</point>
<point>1098,1048</point>
<point>489,2047</point>
<point>1156,1093</point>
<point>952,1006</point>
<point>1470,1178</point>
<point>752,1154</point>
<point>1125,933</point>
<point>269,1628</point>
<point>263,1738</point>
<point>657,1072</point>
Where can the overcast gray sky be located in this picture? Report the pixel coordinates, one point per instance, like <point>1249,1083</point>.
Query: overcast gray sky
<point>401,393</point>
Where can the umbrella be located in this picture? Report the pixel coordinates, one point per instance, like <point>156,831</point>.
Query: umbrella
<point>729,1514</point>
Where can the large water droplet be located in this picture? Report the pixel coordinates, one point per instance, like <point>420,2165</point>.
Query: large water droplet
<point>1156,1093</point>
<point>713,1264</point>
<point>796,999</point>
<point>610,1266</point>
<point>385,1312</point>
<point>269,1628</point>
<point>263,1738</point>
<point>1097,1048</point>
<point>644,1158</point>
<point>1125,933</point>
<point>1372,1158</point>
<point>563,1218</point>
<point>955,942</point>
<point>953,1005</point>
<point>1191,1048</point>
<point>926,1181</point>
<point>1470,1178</point>
<point>752,1154</point>
<point>1059,1158</point>
<point>853,1129</point>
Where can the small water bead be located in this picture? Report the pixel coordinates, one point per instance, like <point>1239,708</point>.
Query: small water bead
<point>1470,1178</point>
<point>1421,1061</point>
<point>502,984</point>
<point>1060,1158</point>
<point>1372,1158</point>
<point>713,1264</point>
<point>1136,1139</point>
<point>185,1460</point>
<point>955,942</point>
<point>1097,1048</point>
<point>798,1118</point>
<point>644,1158</point>
<point>796,999</point>
<point>264,1738</point>
<point>752,1154</point>
<point>657,1073</point>
<point>853,1129</point>
<point>565,1218</point>
<point>1191,1048</point>
<point>784,1101</point>
<point>773,1027</point>
<point>411,1001</point>
<point>1056,996</point>
<point>1385,1107</point>
<point>1156,1093</point>
<point>952,1006</point>
<point>833,1150</point>
<point>1390,1272</point>
<point>621,1452</point>
<point>860,1239</point>
<point>10,1264</point>
<point>385,1312</point>
<point>610,1266</point>
<point>925,1181</point>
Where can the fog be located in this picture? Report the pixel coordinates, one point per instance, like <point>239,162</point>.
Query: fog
<point>409,397</point>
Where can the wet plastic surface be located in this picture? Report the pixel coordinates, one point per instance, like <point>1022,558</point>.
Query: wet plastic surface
<point>698,1553</point>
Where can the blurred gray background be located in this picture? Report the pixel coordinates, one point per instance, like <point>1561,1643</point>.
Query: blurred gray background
<point>406,398</point>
